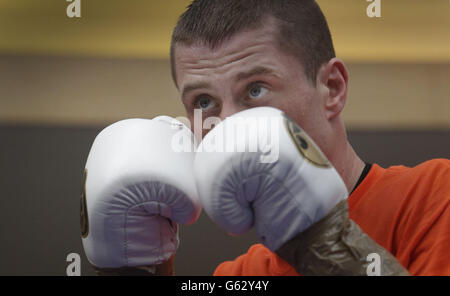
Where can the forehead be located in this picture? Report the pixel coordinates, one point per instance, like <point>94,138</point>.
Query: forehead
<point>237,42</point>
<point>245,47</point>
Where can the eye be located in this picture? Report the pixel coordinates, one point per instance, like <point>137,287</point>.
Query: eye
<point>205,103</point>
<point>256,91</point>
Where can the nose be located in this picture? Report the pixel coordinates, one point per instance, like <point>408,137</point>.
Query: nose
<point>229,108</point>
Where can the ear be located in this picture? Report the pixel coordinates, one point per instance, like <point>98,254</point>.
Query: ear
<point>333,79</point>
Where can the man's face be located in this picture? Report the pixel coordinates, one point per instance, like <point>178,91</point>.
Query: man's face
<point>248,70</point>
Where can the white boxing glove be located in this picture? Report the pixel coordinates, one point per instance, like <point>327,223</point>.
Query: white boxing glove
<point>137,188</point>
<point>258,168</point>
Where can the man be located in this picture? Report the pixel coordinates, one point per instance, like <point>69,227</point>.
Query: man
<point>229,56</point>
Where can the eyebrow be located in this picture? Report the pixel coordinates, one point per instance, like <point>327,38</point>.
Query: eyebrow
<point>240,76</point>
<point>194,86</point>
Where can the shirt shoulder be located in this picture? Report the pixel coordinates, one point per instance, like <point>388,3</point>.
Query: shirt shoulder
<point>397,184</point>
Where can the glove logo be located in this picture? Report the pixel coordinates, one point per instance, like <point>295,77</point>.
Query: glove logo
<point>84,221</point>
<point>305,145</point>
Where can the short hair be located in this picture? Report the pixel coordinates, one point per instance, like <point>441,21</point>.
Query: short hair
<point>302,28</point>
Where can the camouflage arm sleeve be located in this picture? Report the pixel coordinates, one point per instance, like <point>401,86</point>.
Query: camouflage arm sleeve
<point>337,246</point>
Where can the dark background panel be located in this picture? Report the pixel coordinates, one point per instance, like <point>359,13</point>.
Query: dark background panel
<point>409,148</point>
<point>40,180</point>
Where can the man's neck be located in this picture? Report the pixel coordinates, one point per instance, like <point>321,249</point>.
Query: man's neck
<point>350,167</point>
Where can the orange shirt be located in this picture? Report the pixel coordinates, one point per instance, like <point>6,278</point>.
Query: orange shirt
<point>405,210</point>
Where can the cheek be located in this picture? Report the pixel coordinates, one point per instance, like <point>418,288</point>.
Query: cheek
<point>198,131</point>
<point>296,104</point>
<point>303,107</point>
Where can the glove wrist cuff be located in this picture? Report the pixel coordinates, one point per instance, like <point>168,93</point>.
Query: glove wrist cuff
<point>336,245</point>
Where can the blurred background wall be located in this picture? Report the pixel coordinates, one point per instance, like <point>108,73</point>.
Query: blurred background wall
<point>63,79</point>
